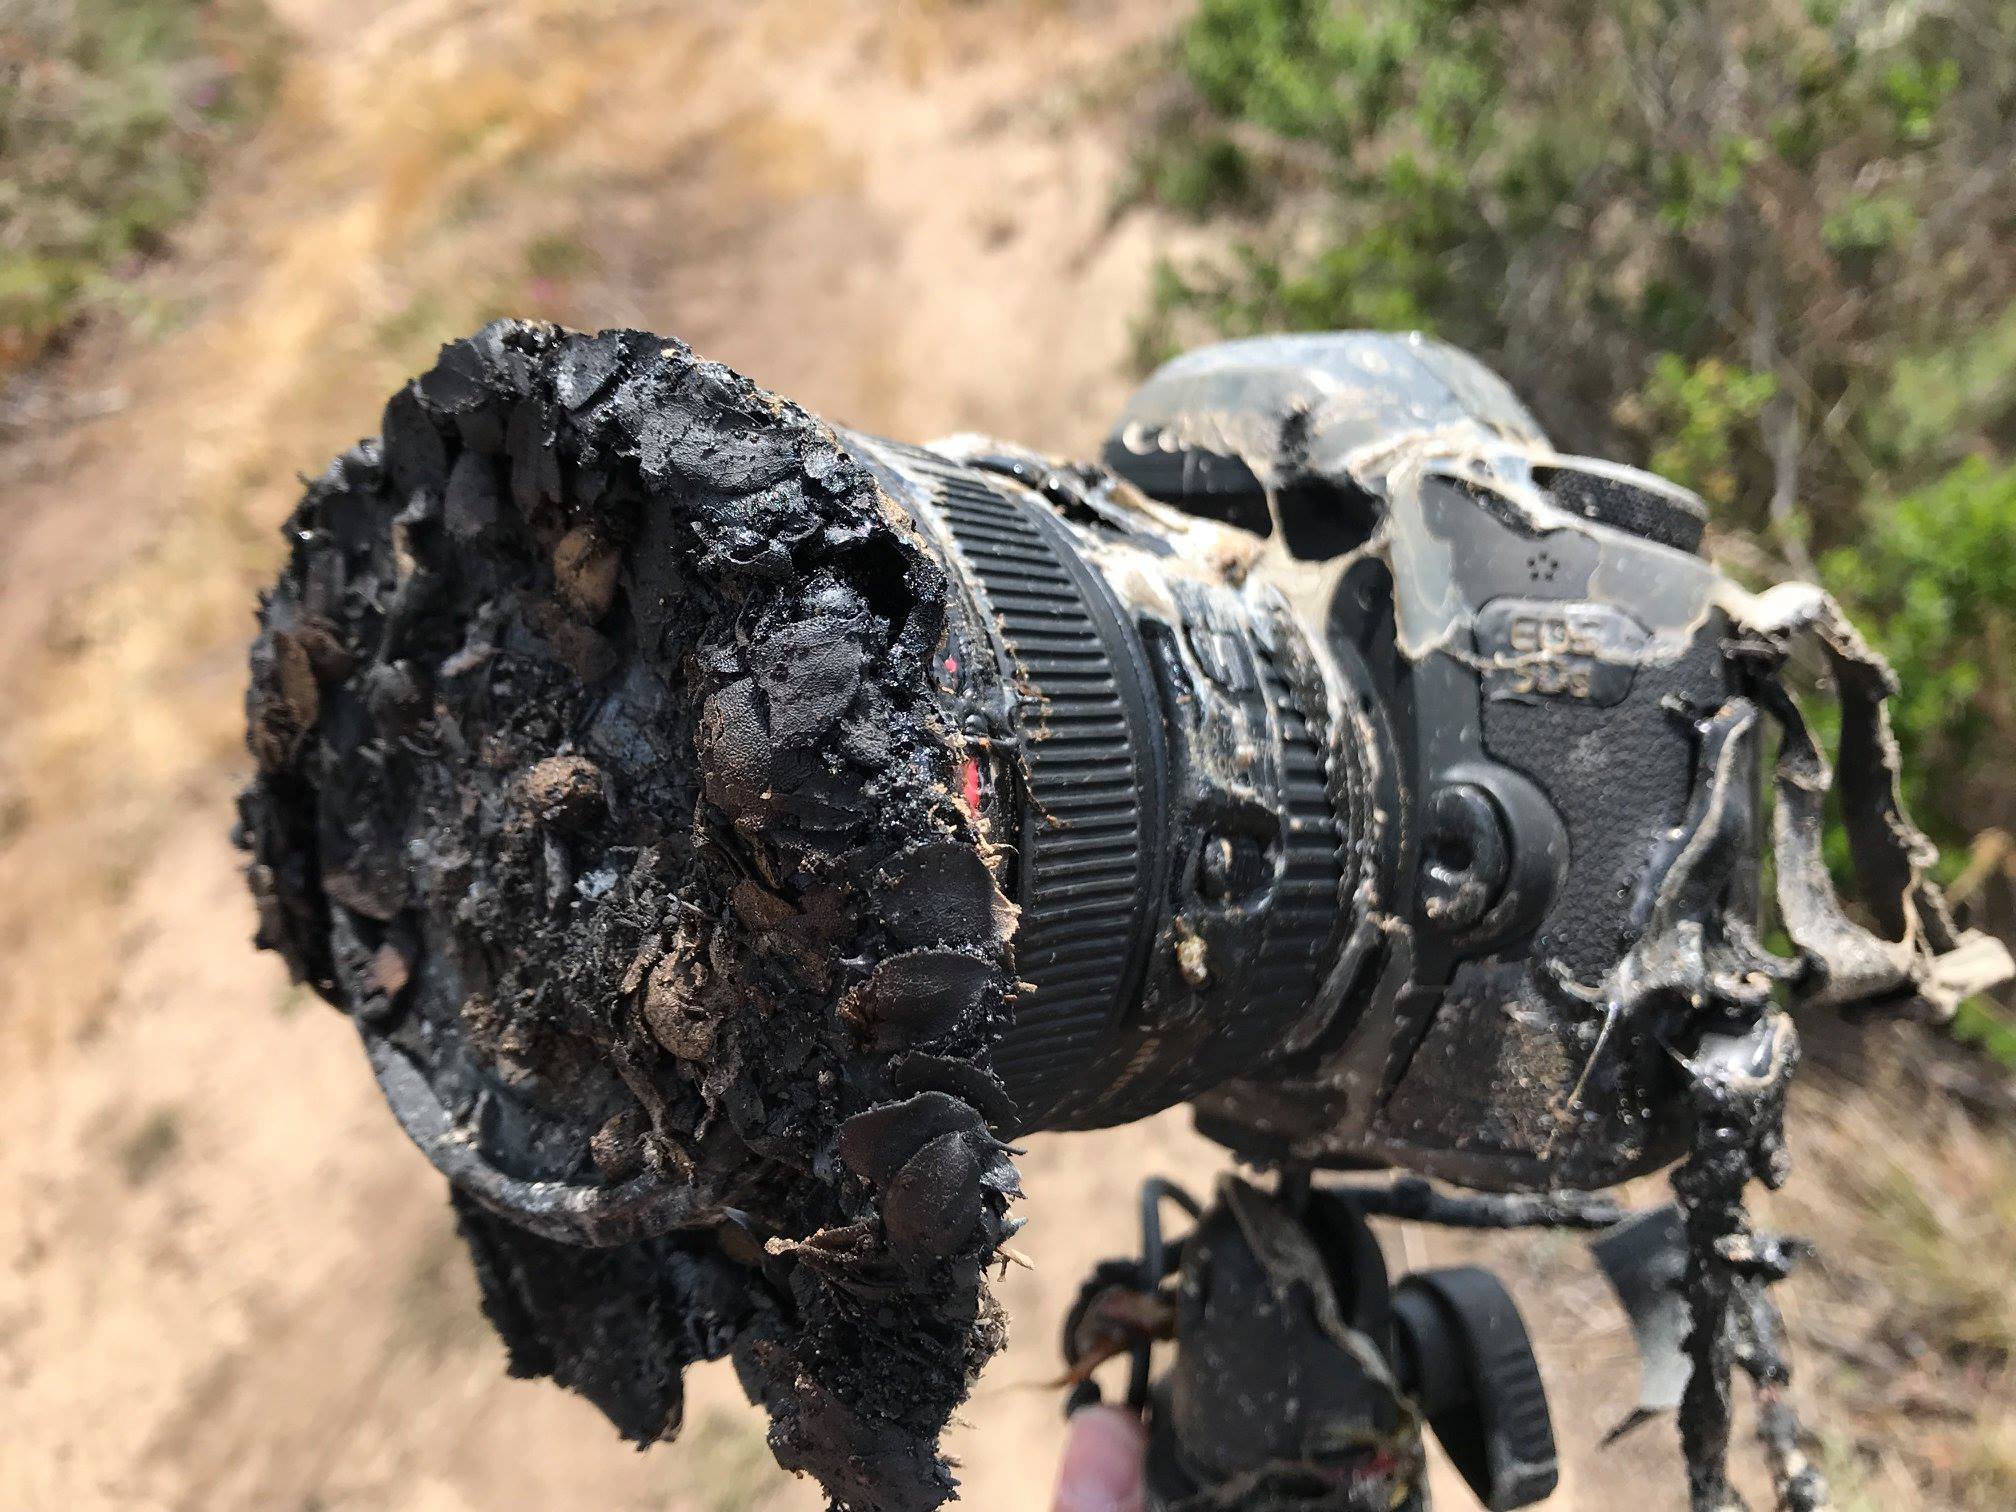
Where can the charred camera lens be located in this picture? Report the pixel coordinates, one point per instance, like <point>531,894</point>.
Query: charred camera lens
<point>723,831</point>
<point>1156,755</point>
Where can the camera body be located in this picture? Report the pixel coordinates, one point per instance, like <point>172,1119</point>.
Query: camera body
<point>1359,780</point>
<point>1524,637</point>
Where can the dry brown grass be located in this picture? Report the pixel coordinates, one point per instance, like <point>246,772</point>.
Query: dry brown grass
<point>1907,1320</point>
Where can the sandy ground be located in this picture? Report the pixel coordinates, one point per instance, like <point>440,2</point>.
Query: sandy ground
<point>225,1279</point>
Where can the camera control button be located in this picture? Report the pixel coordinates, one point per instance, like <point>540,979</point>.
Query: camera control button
<point>1465,857</point>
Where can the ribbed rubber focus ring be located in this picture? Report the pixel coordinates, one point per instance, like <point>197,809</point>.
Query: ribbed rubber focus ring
<point>1095,772</point>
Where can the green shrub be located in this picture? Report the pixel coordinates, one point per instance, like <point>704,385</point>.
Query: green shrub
<point>1701,414</point>
<point>109,111</point>
<point>1763,248</point>
<point>1933,577</point>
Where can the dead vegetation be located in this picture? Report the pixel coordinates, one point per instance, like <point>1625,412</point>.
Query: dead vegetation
<point>1906,1321</point>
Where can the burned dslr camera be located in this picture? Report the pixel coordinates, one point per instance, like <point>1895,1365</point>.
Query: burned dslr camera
<point>728,833</point>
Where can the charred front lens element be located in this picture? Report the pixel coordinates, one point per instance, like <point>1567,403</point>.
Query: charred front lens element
<point>1154,748</point>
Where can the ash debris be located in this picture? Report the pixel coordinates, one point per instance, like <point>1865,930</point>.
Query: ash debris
<point>600,782</point>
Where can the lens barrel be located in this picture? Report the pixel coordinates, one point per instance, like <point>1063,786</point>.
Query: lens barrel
<point>1159,760</point>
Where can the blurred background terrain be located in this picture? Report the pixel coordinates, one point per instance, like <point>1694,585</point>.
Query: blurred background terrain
<point>1764,248</point>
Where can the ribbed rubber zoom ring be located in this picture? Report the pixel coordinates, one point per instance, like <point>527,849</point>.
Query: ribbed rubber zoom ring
<point>1294,918</point>
<point>1305,905</point>
<point>1095,772</point>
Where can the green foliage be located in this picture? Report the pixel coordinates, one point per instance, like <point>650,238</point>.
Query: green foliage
<point>1197,172</point>
<point>1988,1029</point>
<point>1687,235</point>
<point>1632,208</point>
<point>1934,579</point>
<point>1869,224</point>
<point>1944,398</point>
<point>108,111</point>
<point>1700,414</point>
<point>1329,74</point>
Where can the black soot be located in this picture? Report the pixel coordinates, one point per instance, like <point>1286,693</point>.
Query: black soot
<point>602,783</point>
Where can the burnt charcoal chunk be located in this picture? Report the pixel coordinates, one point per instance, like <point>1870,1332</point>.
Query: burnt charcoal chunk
<point>735,750</point>
<point>474,502</point>
<point>735,464</point>
<point>810,673</point>
<point>941,894</point>
<point>876,1144</point>
<point>362,868</point>
<point>923,994</point>
<point>586,368</point>
<point>459,382</point>
<point>284,701</point>
<point>933,1202</point>
<point>535,460</point>
<point>393,693</point>
<point>661,437</point>
<point>920,1072</point>
<point>417,456</point>
<point>618,1325</point>
<point>825,465</point>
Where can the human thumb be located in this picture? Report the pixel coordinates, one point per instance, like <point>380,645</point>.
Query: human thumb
<point>1103,1463</point>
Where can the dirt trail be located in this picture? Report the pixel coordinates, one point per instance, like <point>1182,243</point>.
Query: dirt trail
<point>229,1282</point>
